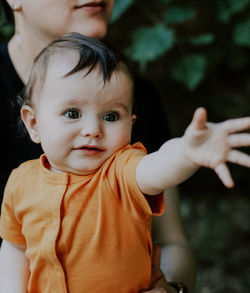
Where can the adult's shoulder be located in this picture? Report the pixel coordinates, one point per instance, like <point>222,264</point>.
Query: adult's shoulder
<point>148,98</point>
<point>3,60</point>
<point>3,50</point>
<point>10,82</point>
<point>4,56</point>
<point>145,86</point>
<point>151,127</point>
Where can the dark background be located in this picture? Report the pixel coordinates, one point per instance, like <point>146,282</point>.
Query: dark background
<point>197,53</point>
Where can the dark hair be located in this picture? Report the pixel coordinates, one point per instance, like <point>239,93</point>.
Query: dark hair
<point>91,52</point>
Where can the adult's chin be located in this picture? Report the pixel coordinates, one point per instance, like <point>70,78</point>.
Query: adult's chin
<point>97,30</point>
<point>91,26</point>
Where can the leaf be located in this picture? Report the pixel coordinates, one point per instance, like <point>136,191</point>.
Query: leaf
<point>120,7</point>
<point>179,14</point>
<point>227,8</point>
<point>238,5</point>
<point>241,33</point>
<point>2,16</point>
<point>190,71</point>
<point>7,30</point>
<point>149,43</point>
<point>204,39</point>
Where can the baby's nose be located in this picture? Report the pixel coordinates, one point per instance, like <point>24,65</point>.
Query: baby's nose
<point>92,128</point>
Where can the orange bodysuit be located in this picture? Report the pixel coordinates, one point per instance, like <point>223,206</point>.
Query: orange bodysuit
<point>83,233</point>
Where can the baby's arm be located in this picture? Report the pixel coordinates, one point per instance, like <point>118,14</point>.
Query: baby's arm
<point>203,144</point>
<point>14,268</point>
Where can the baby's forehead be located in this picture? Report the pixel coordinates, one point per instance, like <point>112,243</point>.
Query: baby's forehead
<point>63,61</point>
<point>79,89</point>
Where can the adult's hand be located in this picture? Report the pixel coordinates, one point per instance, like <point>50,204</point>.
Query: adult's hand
<point>159,283</point>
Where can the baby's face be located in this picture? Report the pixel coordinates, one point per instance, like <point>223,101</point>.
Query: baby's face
<point>82,122</point>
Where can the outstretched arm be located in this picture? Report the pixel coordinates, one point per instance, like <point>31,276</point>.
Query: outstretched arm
<point>203,144</point>
<point>14,268</point>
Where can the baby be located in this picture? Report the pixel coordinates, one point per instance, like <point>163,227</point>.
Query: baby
<point>78,219</point>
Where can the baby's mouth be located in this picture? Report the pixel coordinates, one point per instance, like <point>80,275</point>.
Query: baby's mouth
<point>89,150</point>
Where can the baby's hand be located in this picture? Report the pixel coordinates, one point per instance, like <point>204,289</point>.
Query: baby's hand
<point>212,145</point>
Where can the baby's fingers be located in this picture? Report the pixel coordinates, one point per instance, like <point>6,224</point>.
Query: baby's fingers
<point>235,157</point>
<point>199,119</point>
<point>239,158</point>
<point>239,140</point>
<point>224,174</point>
<point>234,125</point>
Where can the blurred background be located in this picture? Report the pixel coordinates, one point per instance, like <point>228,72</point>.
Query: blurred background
<point>197,53</point>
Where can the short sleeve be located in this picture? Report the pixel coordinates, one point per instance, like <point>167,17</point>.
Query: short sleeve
<point>10,228</point>
<point>126,165</point>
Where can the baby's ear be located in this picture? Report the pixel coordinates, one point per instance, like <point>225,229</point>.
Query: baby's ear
<point>134,117</point>
<point>29,119</point>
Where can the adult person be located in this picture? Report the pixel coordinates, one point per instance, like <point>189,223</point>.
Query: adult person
<point>36,24</point>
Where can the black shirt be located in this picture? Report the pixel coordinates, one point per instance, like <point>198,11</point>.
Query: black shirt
<point>15,148</point>
<point>150,128</point>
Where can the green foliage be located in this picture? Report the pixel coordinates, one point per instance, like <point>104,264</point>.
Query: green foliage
<point>241,33</point>
<point>228,8</point>
<point>189,70</point>
<point>156,31</point>
<point>6,29</point>
<point>149,43</point>
<point>120,7</point>
<point>217,229</point>
<point>200,40</point>
<point>178,15</point>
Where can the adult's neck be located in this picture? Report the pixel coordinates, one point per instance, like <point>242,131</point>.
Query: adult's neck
<point>23,48</point>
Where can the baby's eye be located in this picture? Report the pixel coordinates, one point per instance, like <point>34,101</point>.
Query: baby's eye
<point>73,114</point>
<point>111,116</point>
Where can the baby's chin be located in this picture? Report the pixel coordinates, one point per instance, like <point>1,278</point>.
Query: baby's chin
<point>82,172</point>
